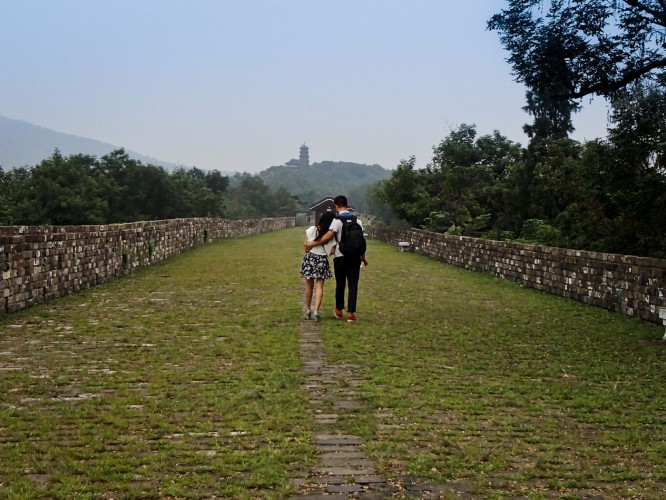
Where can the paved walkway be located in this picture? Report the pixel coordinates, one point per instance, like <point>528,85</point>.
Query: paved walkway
<point>344,470</point>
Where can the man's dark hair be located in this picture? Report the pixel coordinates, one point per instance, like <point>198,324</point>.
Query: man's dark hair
<point>340,201</point>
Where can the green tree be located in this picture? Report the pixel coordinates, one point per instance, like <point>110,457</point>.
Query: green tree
<point>405,192</point>
<point>5,199</point>
<point>216,182</point>
<point>457,187</point>
<point>380,212</point>
<point>285,203</point>
<point>61,191</point>
<point>639,126</point>
<point>463,177</point>
<point>637,183</point>
<point>563,50</point>
<point>250,197</point>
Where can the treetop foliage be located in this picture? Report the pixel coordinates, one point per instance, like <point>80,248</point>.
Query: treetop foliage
<point>563,50</point>
<point>311,184</point>
<point>600,45</point>
<point>82,189</point>
<point>601,195</point>
<point>607,195</point>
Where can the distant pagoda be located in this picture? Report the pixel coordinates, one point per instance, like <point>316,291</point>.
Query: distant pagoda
<point>304,158</point>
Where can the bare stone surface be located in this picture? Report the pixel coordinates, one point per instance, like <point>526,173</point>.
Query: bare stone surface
<point>345,488</point>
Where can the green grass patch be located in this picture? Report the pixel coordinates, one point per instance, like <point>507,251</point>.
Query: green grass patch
<point>508,389</point>
<point>184,381</point>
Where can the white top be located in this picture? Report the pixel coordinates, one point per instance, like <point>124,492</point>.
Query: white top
<point>311,234</point>
<point>336,227</point>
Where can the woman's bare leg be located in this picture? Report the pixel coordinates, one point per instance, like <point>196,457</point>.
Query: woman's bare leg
<point>309,285</point>
<point>319,294</point>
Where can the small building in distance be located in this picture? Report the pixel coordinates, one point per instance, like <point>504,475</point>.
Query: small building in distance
<point>323,206</point>
<point>303,158</point>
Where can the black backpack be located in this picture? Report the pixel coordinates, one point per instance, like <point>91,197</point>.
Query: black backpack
<point>352,241</point>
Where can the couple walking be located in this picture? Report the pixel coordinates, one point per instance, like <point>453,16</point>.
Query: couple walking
<point>327,238</point>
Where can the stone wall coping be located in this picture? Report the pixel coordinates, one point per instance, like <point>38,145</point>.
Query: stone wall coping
<point>579,254</point>
<point>52,229</point>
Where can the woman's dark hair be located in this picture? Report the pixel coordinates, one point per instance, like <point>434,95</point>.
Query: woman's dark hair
<point>324,223</point>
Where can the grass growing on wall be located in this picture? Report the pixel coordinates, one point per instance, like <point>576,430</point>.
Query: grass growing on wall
<point>500,389</point>
<point>183,380</point>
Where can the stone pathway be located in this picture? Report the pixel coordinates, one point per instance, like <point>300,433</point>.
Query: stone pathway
<point>344,470</point>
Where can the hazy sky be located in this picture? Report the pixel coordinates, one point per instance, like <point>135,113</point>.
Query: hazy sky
<point>241,84</point>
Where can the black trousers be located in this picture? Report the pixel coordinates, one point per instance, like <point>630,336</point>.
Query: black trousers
<point>347,272</point>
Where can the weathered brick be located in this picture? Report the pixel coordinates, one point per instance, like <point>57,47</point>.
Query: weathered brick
<point>59,260</point>
<point>624,283</point>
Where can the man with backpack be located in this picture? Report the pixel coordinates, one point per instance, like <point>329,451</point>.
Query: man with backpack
<point>347,230</point>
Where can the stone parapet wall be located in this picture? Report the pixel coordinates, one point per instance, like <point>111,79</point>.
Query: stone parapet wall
<point>39,263</point>
<point>635,286</point>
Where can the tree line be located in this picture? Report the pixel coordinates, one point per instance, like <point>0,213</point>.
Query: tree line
<point>605,195</point>
<point>83,189</point>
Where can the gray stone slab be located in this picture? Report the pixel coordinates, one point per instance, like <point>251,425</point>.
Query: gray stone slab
<point>373,495</point>
<point>337,442</point>
<point>370,478</point>
<point>349,404</point>
<point>345,488</point>
<point>342,455</point>
<point>332,480</point>
<point>346,462</point>
<point>327,421</point>
<point>334,448</point>
<point>382,487</point>
<point>345,391</point>
<point>346,471</point>
<point>340,436</point>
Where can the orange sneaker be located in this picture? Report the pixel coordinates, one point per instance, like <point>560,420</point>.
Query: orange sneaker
<point>351,317</point>
<point>337,313</point>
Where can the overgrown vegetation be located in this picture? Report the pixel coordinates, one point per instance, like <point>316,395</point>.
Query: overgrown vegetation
<point>499,391</point>
<point>564,50</point>
<point>184,381</point>
<point>250,197</point>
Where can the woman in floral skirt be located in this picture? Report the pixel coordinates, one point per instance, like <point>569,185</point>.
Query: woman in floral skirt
<point>315,268</point>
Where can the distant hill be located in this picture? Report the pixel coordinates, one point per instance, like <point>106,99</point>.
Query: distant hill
<point>323,179</point>
<point>25,144</point>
